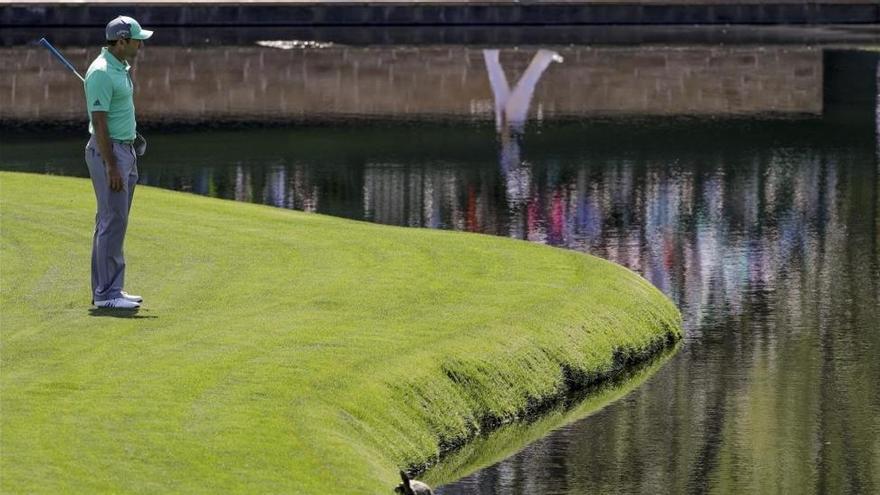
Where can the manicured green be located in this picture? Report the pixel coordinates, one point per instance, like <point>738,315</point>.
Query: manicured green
<point>279,351</point>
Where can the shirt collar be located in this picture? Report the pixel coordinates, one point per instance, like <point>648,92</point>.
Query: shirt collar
<point>113,61</point>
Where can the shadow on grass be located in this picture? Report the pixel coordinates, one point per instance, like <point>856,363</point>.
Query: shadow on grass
<point>118,313</point>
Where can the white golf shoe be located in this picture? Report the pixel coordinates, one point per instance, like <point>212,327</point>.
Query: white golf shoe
<point>118,303</point>
<point>132,297</point>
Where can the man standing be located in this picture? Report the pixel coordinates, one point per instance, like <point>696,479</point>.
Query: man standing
<point>111,157</point>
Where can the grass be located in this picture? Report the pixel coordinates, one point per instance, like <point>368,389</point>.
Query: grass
<point>279,351</point>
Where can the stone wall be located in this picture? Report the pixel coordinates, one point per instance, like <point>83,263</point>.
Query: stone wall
<point>255,83</point>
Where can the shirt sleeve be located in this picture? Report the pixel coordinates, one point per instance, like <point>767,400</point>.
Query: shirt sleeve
<point>99,90</point>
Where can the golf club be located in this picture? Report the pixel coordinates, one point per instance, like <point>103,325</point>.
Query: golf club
<point>60,57</point>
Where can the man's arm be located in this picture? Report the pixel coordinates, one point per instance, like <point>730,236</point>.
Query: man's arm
<point>105,146</point>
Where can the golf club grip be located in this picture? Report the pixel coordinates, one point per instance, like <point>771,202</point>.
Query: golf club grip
<point>59,56</point>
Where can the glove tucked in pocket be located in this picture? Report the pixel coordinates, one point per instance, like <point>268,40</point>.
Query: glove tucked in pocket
<point>140,145</point>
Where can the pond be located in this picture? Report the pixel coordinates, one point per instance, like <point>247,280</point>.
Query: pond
<point>742,181</point>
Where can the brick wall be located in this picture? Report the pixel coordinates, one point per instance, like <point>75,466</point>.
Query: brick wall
<point>233,83</point>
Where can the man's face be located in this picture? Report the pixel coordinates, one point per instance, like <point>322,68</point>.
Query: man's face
<point>130,48</point>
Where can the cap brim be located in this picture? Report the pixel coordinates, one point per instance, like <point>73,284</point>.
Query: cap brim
<point>144,34</point>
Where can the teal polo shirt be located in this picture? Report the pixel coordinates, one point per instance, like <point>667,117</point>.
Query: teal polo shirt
<point>109,89</point>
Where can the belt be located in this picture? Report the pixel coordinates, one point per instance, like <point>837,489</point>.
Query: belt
<point>123,141</point>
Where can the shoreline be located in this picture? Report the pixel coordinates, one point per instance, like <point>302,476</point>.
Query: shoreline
<point>570,402</point>
<point>506,440</point>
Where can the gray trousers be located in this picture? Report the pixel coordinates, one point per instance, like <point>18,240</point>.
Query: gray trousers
<point>111,220</point>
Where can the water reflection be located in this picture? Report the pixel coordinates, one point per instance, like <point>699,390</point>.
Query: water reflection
<point>669,221</point>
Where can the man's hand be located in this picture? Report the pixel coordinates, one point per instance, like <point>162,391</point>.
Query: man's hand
<point>105,146</point>
<point>115,178</point>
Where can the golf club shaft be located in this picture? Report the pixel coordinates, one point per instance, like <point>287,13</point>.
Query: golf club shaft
<point>60,57</point>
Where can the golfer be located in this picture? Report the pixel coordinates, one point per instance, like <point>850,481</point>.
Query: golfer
<point>111,157</point>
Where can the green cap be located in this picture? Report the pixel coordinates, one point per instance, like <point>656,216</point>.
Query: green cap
<point>123,28</point>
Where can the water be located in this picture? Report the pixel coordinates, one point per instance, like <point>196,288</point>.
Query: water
<point>756,209</point>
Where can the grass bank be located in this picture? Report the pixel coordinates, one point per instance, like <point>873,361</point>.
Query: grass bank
<point>279,351</point>
<point>508,439</point>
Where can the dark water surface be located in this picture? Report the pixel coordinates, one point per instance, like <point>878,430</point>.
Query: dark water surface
<point>764,228</point>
